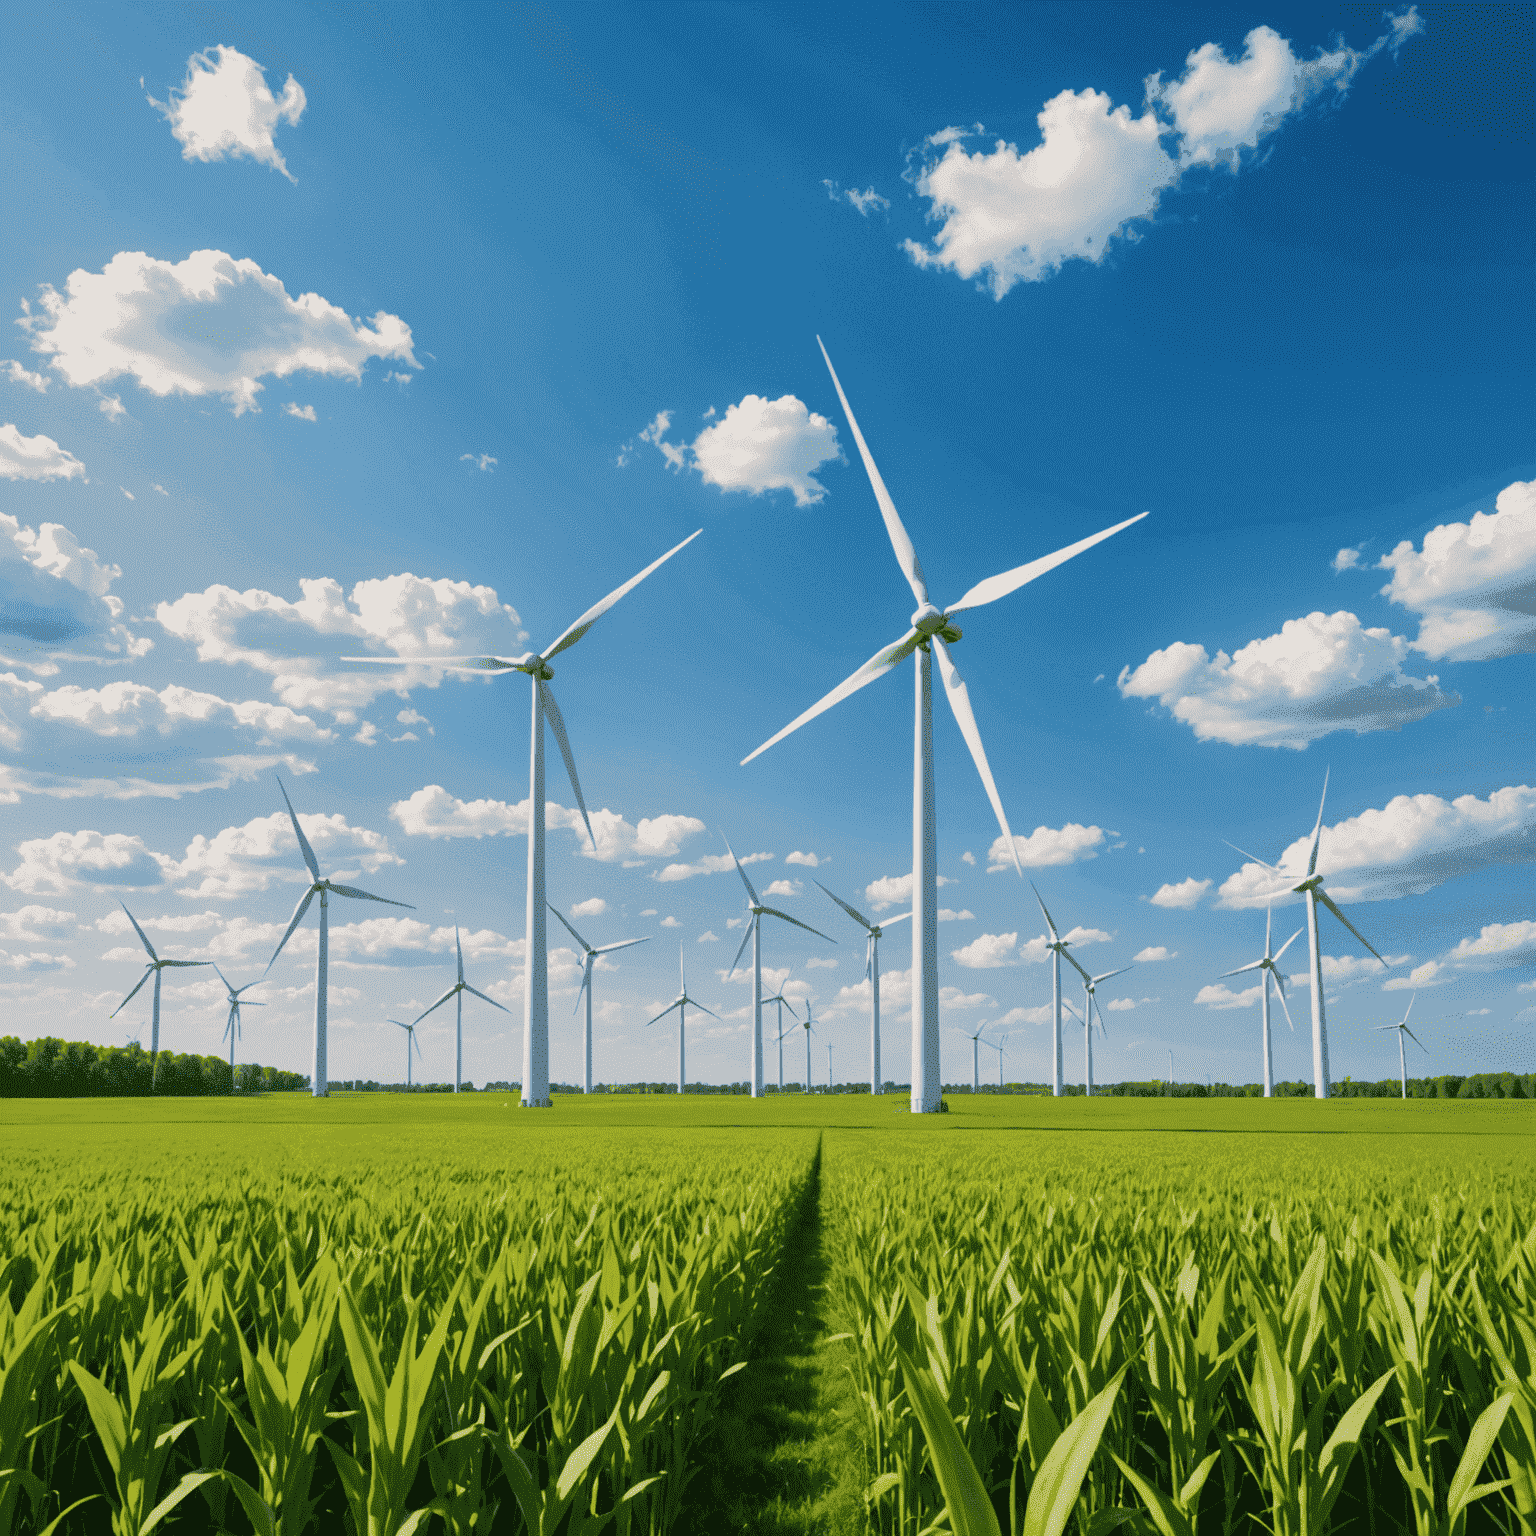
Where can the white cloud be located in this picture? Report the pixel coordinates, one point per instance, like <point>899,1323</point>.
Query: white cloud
<point>988,951</point>
<point>817,963</point>
<point>35,458</point>
<point>1499,947</point>
<point>1154,952</point>
<point>710,864</point>
<point>949,915</point>
<point>302,412</point>
<point>810,860</point>
<point>1473,585</point>
<point>708,938</point>
<point>1183,897</point>
<point>593,906</point>
<point>649,912</point>
<point>207,325</point>
<point>758,445</point>
<point>226,108</point>
<point>1320,674</point>
<point>239,860</point>
<point>895,890</point>
<point>36,961</point>
<point>67,860</point>
<point>433,812</point>
<point>124,709</point>
<point>402,614</point>
<point>112,407</point>
<point>669,922</point>
<point>1041,1015</point>
<point>953,997</point>
<point>1346,560</point>
<point>785,888</point>
<point>1411,845</point>
<point>967,857</point>
<point>34,924</point>
<point>16,374</point>
<point>162,490</point>
<point>1046,847</point>
<point>1222,996</point>
<point>484,462</point>
<point>410,717</point>
<point>1121,1004</point>
<point>864,201</point>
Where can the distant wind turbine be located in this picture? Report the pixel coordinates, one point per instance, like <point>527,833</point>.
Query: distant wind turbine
<point>872,976</point>
<point>1058,948</point>
<point>1402,1029</point>
<point>155,966</point>
<point>410,1043</point>
<point>457,991</point>
<point>1269,964</point>
<point>590,959</point>
<point>829,1066</point>
<point>810,1029</point>
<point>682,1002</point>
<point>783,1003</point>
<point>975,1040</point>
<point>232,1027</point>
<point>757,912</point>
<point>931,629</point>
<point>998,1047</point>
<point>1312,889</point>
<point>1091,1007</point>
<point>320,1081</point>
<point>536,665</point>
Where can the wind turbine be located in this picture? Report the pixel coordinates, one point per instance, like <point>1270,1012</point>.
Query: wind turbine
<point>754,933</point>
<point>232,1028</point>
<point>410,1042</point>
<point>457,991</point>
<point>1312,889</point>
<point>1091,1007</point>
<point>1058,948</point>
<point>810,1029</point>
<point>155,966</point>
<point>872,976</point>
<point>1402,1029</point>
<point>997,1046</point>
<point>829,1066</point>
<point>320,1082</point>
<point>975,1040</point>
<point>930,630</point>
<point>536,665</point>
<point>1269,965</point>
<point>783,1003</point>
<point>682,1002</point>
<point>590,960</point>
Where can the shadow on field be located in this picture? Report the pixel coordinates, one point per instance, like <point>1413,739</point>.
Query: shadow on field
<point>783,1456</point>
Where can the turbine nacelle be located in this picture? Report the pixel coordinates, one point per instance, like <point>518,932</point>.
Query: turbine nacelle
<point>929,621</point>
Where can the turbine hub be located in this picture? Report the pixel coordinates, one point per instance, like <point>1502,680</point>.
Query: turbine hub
<point>927,620</point>
<point>536,666</point>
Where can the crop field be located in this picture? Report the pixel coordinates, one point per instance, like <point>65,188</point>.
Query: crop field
<point>801,1314</point>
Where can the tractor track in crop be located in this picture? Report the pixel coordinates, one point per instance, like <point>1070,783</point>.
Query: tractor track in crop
<point>784,1458</point>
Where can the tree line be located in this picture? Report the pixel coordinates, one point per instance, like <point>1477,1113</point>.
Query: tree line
<point>75,1069</point>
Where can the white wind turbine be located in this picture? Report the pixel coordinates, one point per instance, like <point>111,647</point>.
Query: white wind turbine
<point>783,1003</point>
<point>536,665</point>
<point>682,1002</point>
<point>457,991</point>
<point>320,1081</point>
<point>1269,964</point>
<point>930,630</point>
<point>410,1044</point>
<point>976,1043</point>
<point>1402,1029</point>
<point>1091,1007</point>
<point>829,1066</point>
<point>232,1027</point>
<point>757,912</point>
<point>872,976</point>
<point>998,1047</point>
<point>590,956</point>
<point>1312,888</point>
<point>155,966</point>
<point>810,1029</point>
<point>1058,948</point>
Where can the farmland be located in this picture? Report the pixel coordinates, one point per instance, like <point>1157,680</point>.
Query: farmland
<point>284,1313</point>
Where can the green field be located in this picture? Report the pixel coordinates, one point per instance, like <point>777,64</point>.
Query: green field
<point>701,1314</point>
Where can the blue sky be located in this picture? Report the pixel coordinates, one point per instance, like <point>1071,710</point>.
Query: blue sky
<point>339,339</point>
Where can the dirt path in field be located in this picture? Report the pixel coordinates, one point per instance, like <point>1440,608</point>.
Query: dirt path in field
<point>785,1459</point>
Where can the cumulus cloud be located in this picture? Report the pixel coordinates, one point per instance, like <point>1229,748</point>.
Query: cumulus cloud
<point>433,812</point>
<point>15,373</point>
<point>35,924</point>
<point>36,961</point>
<point>785,888</point>
<point>124,709</point>
<point>670,922</point>
<point>708,938</point>
<point>485,462</point>
<point>1098,172</point>
<point>1320,674</point>
<point>1183,897</point>
<point>402,614</point>
<point>820,963</point>
<point>593,906</point>
<point>758,445</point>
<point>1041,1015</point>
<point>100,861</point>
<point>1220,995</point>
<point>1473,584</point>
<point>240,860</point>
<point>992,950</point>
<point>1121,1004</point>
<point>1046,847</point>
<point>1346,560</point>
<point>1499,947</point>
<point>207,325</point>
<point>866,201</point>
<point>895,890</point>
<point>1154,952</point>
<point>302,412</point>
<point>1409,846</point>
<point>808,859</point>
<point>225,108</point>
<point>35,458</point>
<point>710,864</point>
<point>950,915</point>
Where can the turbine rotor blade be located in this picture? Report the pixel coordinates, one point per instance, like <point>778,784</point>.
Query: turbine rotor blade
<point>877,666</point>
<point>293,922</point>
<point>150,971</point>
<point>1415,1039</point>
<point>143,937</point>
<point>1107,974</point>
<point>1411,1001</point>
<point>1317,831</point>
<point>185,962</point>
<point>557,725</point>
<point>703,1009</point>
<point>664,1012</point>
<point>608,949</point>
<point>906,555</point>
<point>852,912</point>
<point>751,894</point>
<point>1289,942</point>
<point>1253,858</point>
<point>587,948</point>
<point>740,952</point>
<point>1332,906</point>
<point>452,991</point>
<point>484,999</point>
<point>994,587</point>
<point>225,979</point>
<point>459,949</point>
<point>1285,1005</point>
<point>1049,923</point>
<point>774,912</point>
<point>449,663</point>
<point>890,922</point>
<point>960,704</point>
<point>298,832</point>
<point>594,613</point>
<point>1258,965</point>
<point>357,895</point>
<point>1071,960</point>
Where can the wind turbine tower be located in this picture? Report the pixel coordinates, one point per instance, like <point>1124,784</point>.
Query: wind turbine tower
<point>155,966</point>
<point>457,991</point>
<point>875,931</point>
<point>232,1025</point>
<point>1268,964</point>
<point>931,631</point>
<point>410,1045</point>
<point>1402,1029</point>
<point>682,1002</point>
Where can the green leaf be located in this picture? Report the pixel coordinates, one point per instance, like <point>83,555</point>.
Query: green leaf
<point>1342,1444</point>
<point>1167,1515</point>
<point>189,1484</point>
<point>740,1365</point>
<point>1060,1480</point>
<point>106,1415</point>
<point>881,1486</point>
<point>965,1495</point>
<point>1479,1446</point>
<point>579,1460</point>
<point>256,1508</point>
<point>53,1524</point>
